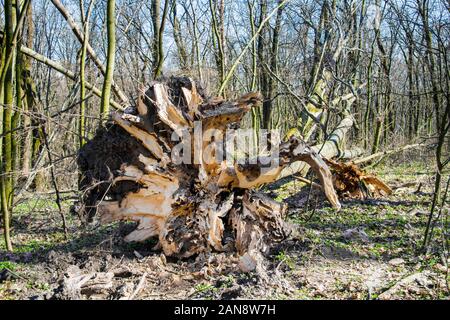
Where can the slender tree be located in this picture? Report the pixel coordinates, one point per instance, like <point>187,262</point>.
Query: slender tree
<point>85,19</point>
<point>30,95</point>
<point>271,82</point>
<point>8,105</point>
<point>178,37</point>
<point>111,30</point>
<point>158,29</point>
<point>442,120</point>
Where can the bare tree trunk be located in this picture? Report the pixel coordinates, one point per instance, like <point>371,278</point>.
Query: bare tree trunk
<point>219,40</point>
<point>80,36</point>
<point>384,117</point>
<point>271,83</point>
<point>110,60</point>
<point>261,49</point>
<point>85,16</point>
<point>442,124</point>
<point>28,103</point>
<point>256,113</point>
<point>156,21</point>
<point>8,104</point>
<point>158,27</point>
<point>181,48</point>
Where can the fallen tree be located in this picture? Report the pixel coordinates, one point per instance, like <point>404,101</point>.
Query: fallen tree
<point>129,173</point>
<point>329,149</point>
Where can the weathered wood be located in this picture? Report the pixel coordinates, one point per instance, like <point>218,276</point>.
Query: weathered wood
<point>329,149</point>
<point>189,207</point>
<point>148,140</point>
<point>293,151</point>
<point>76,284</point>
<point>352,182</point>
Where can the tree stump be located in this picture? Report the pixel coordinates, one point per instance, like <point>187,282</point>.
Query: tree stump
<point>131,171</point>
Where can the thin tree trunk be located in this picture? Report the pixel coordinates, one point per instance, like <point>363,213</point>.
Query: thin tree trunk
<point>256,114</point>
<point>156,21</point>
<point>219,39</point>
<point>16,119</point>
<point>82,121</point>
<point>181,48</point>
<point>269,99</point>
<point>28,103</point>
<point>80,36</point>
<point>261,49</point>
<point>197,45</point>
<point>158,27</point>
<point>111,28</point>
<point>442,124</point>
<point>8,104</point>
<point>369,97</point>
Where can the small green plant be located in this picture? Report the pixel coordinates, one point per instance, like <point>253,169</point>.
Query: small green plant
<point>284,258</point>
<point>38,285</point>
<point>32,246</point>
<point>8,265</point>
<point>227,282</point>
<point>32,205</point>
<point>203,287</point>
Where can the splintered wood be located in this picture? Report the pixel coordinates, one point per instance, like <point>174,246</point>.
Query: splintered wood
<point>209,203</point>
<point>352,182</point>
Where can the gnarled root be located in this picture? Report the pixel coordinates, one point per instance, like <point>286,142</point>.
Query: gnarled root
<point>129,174</point>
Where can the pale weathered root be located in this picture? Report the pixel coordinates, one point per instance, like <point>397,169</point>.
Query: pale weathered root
<point>190,208</point>
<point>352,182</point>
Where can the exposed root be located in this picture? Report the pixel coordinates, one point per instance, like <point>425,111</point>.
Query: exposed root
<point>129,173</point>
<point>352,182</point>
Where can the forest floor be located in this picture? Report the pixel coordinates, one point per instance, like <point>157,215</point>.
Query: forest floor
<point>368,250</point>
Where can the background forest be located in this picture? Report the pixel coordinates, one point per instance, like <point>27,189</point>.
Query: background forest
<point>65,64</point>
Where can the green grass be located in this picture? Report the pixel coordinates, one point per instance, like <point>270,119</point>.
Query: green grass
<point>32,246</point>
<point>39,204</point>
<point>43,286</point>
<point>227,282</point>
<point>202,287</point>
<point>8,265</point>
<point>391,229</point>
<point>285,258</point>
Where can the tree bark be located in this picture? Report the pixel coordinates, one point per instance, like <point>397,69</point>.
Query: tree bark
<point>8,103</point>
<point>110,60</point>
<point>80,36</point>
<point>331,148</point>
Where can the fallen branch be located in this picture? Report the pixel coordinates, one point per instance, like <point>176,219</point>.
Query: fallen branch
<point>307,181</point>
<point>139,287</point>
<point>387,153</point>
<point>352,182</point>
<point>329,149</point>
<point>80,36</point>
<point>69,74</point>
